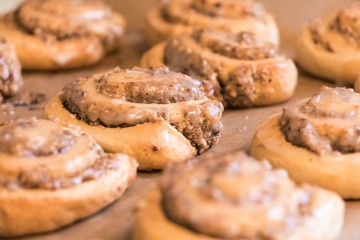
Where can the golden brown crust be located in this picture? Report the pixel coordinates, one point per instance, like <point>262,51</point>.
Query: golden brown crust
<point>48,37</point>
<point>209,199</point>
<point>155,127</point>
<point>58,170</point>
<point>328,46</point>
<point>310,148</point>
<point>180,17</point>
<point>244,70</point>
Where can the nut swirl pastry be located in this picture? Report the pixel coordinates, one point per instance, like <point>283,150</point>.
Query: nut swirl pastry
<point>11,80</point>
<point>57,169</point>
<point>52,34</point>
<point>245,70</point>
<point>316,140</point>
<point>236,197</point>
<point>179,17</point>
<point>155,115</point>
<point>328,47</point>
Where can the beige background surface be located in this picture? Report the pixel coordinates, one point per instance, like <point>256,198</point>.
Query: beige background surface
<point>115,221</point>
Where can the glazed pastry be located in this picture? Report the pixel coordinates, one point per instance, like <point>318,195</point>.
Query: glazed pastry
<point>154,115</point>
<point>236,197</point>
<point>329,47</point>
<point>182,17</point>
<point>52,34</point>
<point>316,140</point>
<point>245,70</point>
<point>51,176</point>
<point>11,81</point>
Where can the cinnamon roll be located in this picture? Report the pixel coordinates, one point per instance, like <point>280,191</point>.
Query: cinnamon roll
<point>52,34</point>
<point>316,140</point>
<point>236,197</point>
<point>244,70</point>
<point>328,47</point>
<point>11,80</point>
<point>155,115</point>
<point>57,169</point>
<point>179,17</point>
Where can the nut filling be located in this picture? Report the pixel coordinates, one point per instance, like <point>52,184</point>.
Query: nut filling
<point>263,204</point>
<point>48,156</point>
<point>201,10</point>
<point>125,98</point>
<point>10,71</point>
<point>327,122</point>
<point>243,69</point>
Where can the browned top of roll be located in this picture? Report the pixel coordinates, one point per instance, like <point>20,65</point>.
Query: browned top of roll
<point>10,71</point>
<point>327,122</point>
<point>234,197</point>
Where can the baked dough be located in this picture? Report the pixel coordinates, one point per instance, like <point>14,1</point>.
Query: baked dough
<point>155,115</point>
<point>236,197</point>
<point>245,70</point>
<point>181,17</point>
<point>52,176</point>
<point>316,141</point>
<point>328,47</point>
<point>52,34</point>
<point>11,80</point>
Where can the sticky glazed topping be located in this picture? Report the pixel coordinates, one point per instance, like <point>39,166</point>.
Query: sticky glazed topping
<point>327,122</point>
<point>228,61</point>
<point>158,86</point>
<point>234,197</point>
<point>69,18</point>
<point>37,153</point>
<point>125,98</point>
<point>200,10</point>
<point>36,138</point>
<point>11,81</point>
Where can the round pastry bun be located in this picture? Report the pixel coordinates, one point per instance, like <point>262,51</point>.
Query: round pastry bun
<point>333,171</point>
<point>152,144</point>
<point>329,54</point>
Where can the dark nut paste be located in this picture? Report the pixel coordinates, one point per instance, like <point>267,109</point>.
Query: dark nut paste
<point>243,68</point>
<point>125,98</point>
<point>327,122</point>
<point>37,153</point>
<point>54,20</point>
<point>235,197</point>
<point>11,81</point>
<point>199,13</point>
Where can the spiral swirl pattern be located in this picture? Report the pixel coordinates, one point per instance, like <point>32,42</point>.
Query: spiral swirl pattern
<point>64,34</point>
<point>245,70</point>
<point>179,17</point>
<point>44,165</point>
<point>328,47</point>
